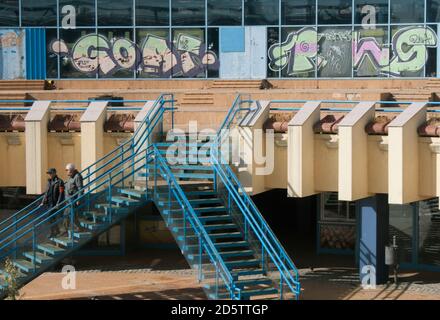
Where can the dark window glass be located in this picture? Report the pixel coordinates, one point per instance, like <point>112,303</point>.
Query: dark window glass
<point>224,13</point>
<point>334,11</point>
<point>261,12</point>
<point>78,63</point>
<point>84,9</point>
<point>433,11</point>
<point>335,52</point>
<point>51,56</point>
<point>117,53</point>
<point>38,13</point>
<point>407,11</point>
<point>188,12</point>
<point>298,12</point>
<point>189,49</point>
<point>213,53</point>
<point>156,55</point>
<point>115,12</point>
<point>9,13</point>
<point>371,11</point>
<point>431,64</point>
<point>273,43</point>
<point>152,13</point>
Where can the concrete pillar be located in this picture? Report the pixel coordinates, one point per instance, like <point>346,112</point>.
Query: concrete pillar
<point>92,134</point>
<point>300,152</point>
<point>403,155</point>
<point>36,122</point>
<point>374,221</point>
<point>249,173</point>
<point>353,153</point>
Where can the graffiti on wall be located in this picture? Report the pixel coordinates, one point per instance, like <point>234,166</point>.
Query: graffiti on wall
<point>12,52</point>
<point>96,54</point>
<point>334,52</point>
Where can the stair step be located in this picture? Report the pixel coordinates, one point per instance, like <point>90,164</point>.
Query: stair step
<point>64,241</point>
<point>133,193</point>
<point>246,294</point>
<point>90,225</point>
<point>227,226</point>
<point>201,193</point>
<point>242,263</point>
<point>193,202</point>
<point>50,249</point>
<point>215,236</point>
<point>245,283</point>
<point>125,201</point>
<point>95,215</point>
<point>238,253</point>
<point>210,209</point>
<point>115,209</point>
<point>246,272</point>
<point>82,235</point>
<point>24,265</point>
<point>216,218</point>
<point>39,257</point>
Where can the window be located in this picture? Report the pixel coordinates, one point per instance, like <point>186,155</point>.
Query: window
<point>224,13</point>
<point>188,12</point>
<point>39,13</point>
<point>156,55</point>
<point>261,12</point>
<point>9,13</point>
<point>334,11</point>
<point>273,44</point>
<point>115,12</point>
<point>152,13</point>
<point>335,52</point>
<point>189,48</point>
<point>371,11</point>
<point>298,12</point>
<point>407,11</point>
<point>213,52</point>
<point>333,209</point>
<point>84,9</point>
<point>52,57</point>
<point>433,11</point>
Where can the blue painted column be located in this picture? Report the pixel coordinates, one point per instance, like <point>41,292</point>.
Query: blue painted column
<point>35,54</point>
<point>374,220</point>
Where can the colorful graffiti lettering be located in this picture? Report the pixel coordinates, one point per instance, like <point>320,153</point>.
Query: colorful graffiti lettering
<point>300,52</point>
<point>94,53</point>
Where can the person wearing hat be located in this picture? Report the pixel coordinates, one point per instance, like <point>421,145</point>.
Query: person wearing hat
<point>53,196</point>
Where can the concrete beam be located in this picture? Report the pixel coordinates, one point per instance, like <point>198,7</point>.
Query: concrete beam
<point>92,133</point>
<point>353,152</point>
<point>300,152</point>
<point>36,122</point>
<point>403,155</point>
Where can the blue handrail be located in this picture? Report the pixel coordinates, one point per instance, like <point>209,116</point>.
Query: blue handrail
<point>197,224</point>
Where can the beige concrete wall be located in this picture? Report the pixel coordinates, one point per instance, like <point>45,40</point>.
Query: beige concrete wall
<point>278,178</point>
<point>377,164</point>
<point>63,148</point>
<point>12,159</point>
<point>326,162</point>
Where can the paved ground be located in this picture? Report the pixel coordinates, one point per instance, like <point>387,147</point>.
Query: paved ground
<point>164,274</point>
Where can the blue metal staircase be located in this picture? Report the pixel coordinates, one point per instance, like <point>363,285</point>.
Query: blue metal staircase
<point>216,225</point>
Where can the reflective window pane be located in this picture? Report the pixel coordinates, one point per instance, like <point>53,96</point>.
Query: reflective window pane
<point>9,13</point>
<point>298,12</point>
<point>79,62</point>
<point>156,56</point>
<point>371,56</point>
<point>84,11</point>
<point>115,12</point>
<point>402,227</point>
<point>433,11</point>
<point>335,52</point>
<point>273,45</point>
<point>224,13</point>
<point>431,64</point>
<point>429,232</point>
<point>334,11</point>
<point>38,13</point>
<point>261,12</point>
<point>371,11</point>
<point>116,53</point>
<point>188,12</point>
<point>189,49</point>
<point>407,11</point>
<point>213,53</point>
<point>51,56</point>
<point>152,13</point>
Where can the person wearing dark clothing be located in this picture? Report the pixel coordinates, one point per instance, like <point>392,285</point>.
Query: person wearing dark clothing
<point>72,190</point>
<point>53,197</point>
